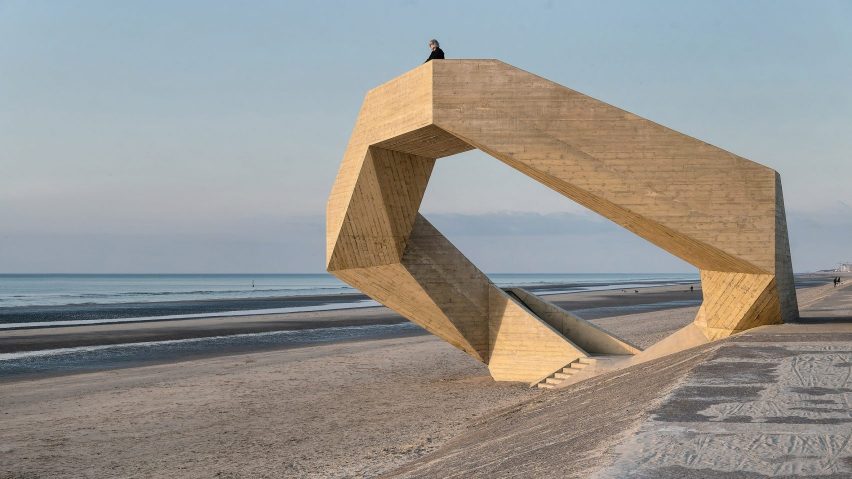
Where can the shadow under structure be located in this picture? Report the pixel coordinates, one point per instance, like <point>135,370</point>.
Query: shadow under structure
<point>720,212</point>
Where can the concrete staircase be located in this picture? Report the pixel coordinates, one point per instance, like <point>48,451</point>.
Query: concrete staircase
<point>565,373</point>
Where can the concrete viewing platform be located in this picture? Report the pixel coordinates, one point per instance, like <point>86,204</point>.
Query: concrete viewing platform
<point>721,213</point>
<point>770,402</point>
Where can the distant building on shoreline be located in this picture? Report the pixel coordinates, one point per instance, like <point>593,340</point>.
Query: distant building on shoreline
<point>845,268</point>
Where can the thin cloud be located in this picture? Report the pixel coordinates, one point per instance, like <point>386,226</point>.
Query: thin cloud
<point>518,224</point>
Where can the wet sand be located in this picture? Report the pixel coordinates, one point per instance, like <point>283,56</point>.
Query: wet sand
<point>164,308</point>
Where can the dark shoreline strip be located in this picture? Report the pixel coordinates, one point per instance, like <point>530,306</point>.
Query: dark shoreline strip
<point>135,354</point>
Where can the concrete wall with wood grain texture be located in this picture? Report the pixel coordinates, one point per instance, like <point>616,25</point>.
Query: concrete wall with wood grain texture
<point>720,212</point>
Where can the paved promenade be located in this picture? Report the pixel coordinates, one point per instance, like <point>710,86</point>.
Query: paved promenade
<point>772,402</point>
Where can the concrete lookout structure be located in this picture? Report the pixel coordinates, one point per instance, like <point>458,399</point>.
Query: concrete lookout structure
<point>719,212</point>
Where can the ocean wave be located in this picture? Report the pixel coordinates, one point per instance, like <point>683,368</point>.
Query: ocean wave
<point>190,292</point>
<point>76,299</point>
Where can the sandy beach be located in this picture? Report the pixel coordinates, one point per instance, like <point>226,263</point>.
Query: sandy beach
<point>351,409</point>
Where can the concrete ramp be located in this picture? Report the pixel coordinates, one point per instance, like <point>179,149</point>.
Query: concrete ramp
<point>600,350</point>
<point>687,337</point>
<point>523,347</point>
<point>584,334</point>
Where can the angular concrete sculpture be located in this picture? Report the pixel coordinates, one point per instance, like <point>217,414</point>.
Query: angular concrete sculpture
<point>719,212</point>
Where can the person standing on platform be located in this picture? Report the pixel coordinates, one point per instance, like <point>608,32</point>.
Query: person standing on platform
<point>437,53</point>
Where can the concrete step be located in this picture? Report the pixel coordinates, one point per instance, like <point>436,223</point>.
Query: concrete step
<point>565,373</point>
<point>598,364</point>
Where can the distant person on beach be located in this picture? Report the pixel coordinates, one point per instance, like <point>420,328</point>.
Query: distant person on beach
<point>691,289</point>
<point>437,53</point>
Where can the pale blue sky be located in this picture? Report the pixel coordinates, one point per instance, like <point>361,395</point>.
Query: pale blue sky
<point>204,136</point>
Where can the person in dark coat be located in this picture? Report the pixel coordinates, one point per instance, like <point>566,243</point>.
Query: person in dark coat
<point>437,53</point>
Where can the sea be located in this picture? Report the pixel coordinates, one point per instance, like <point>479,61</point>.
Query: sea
<point>82,289</point>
